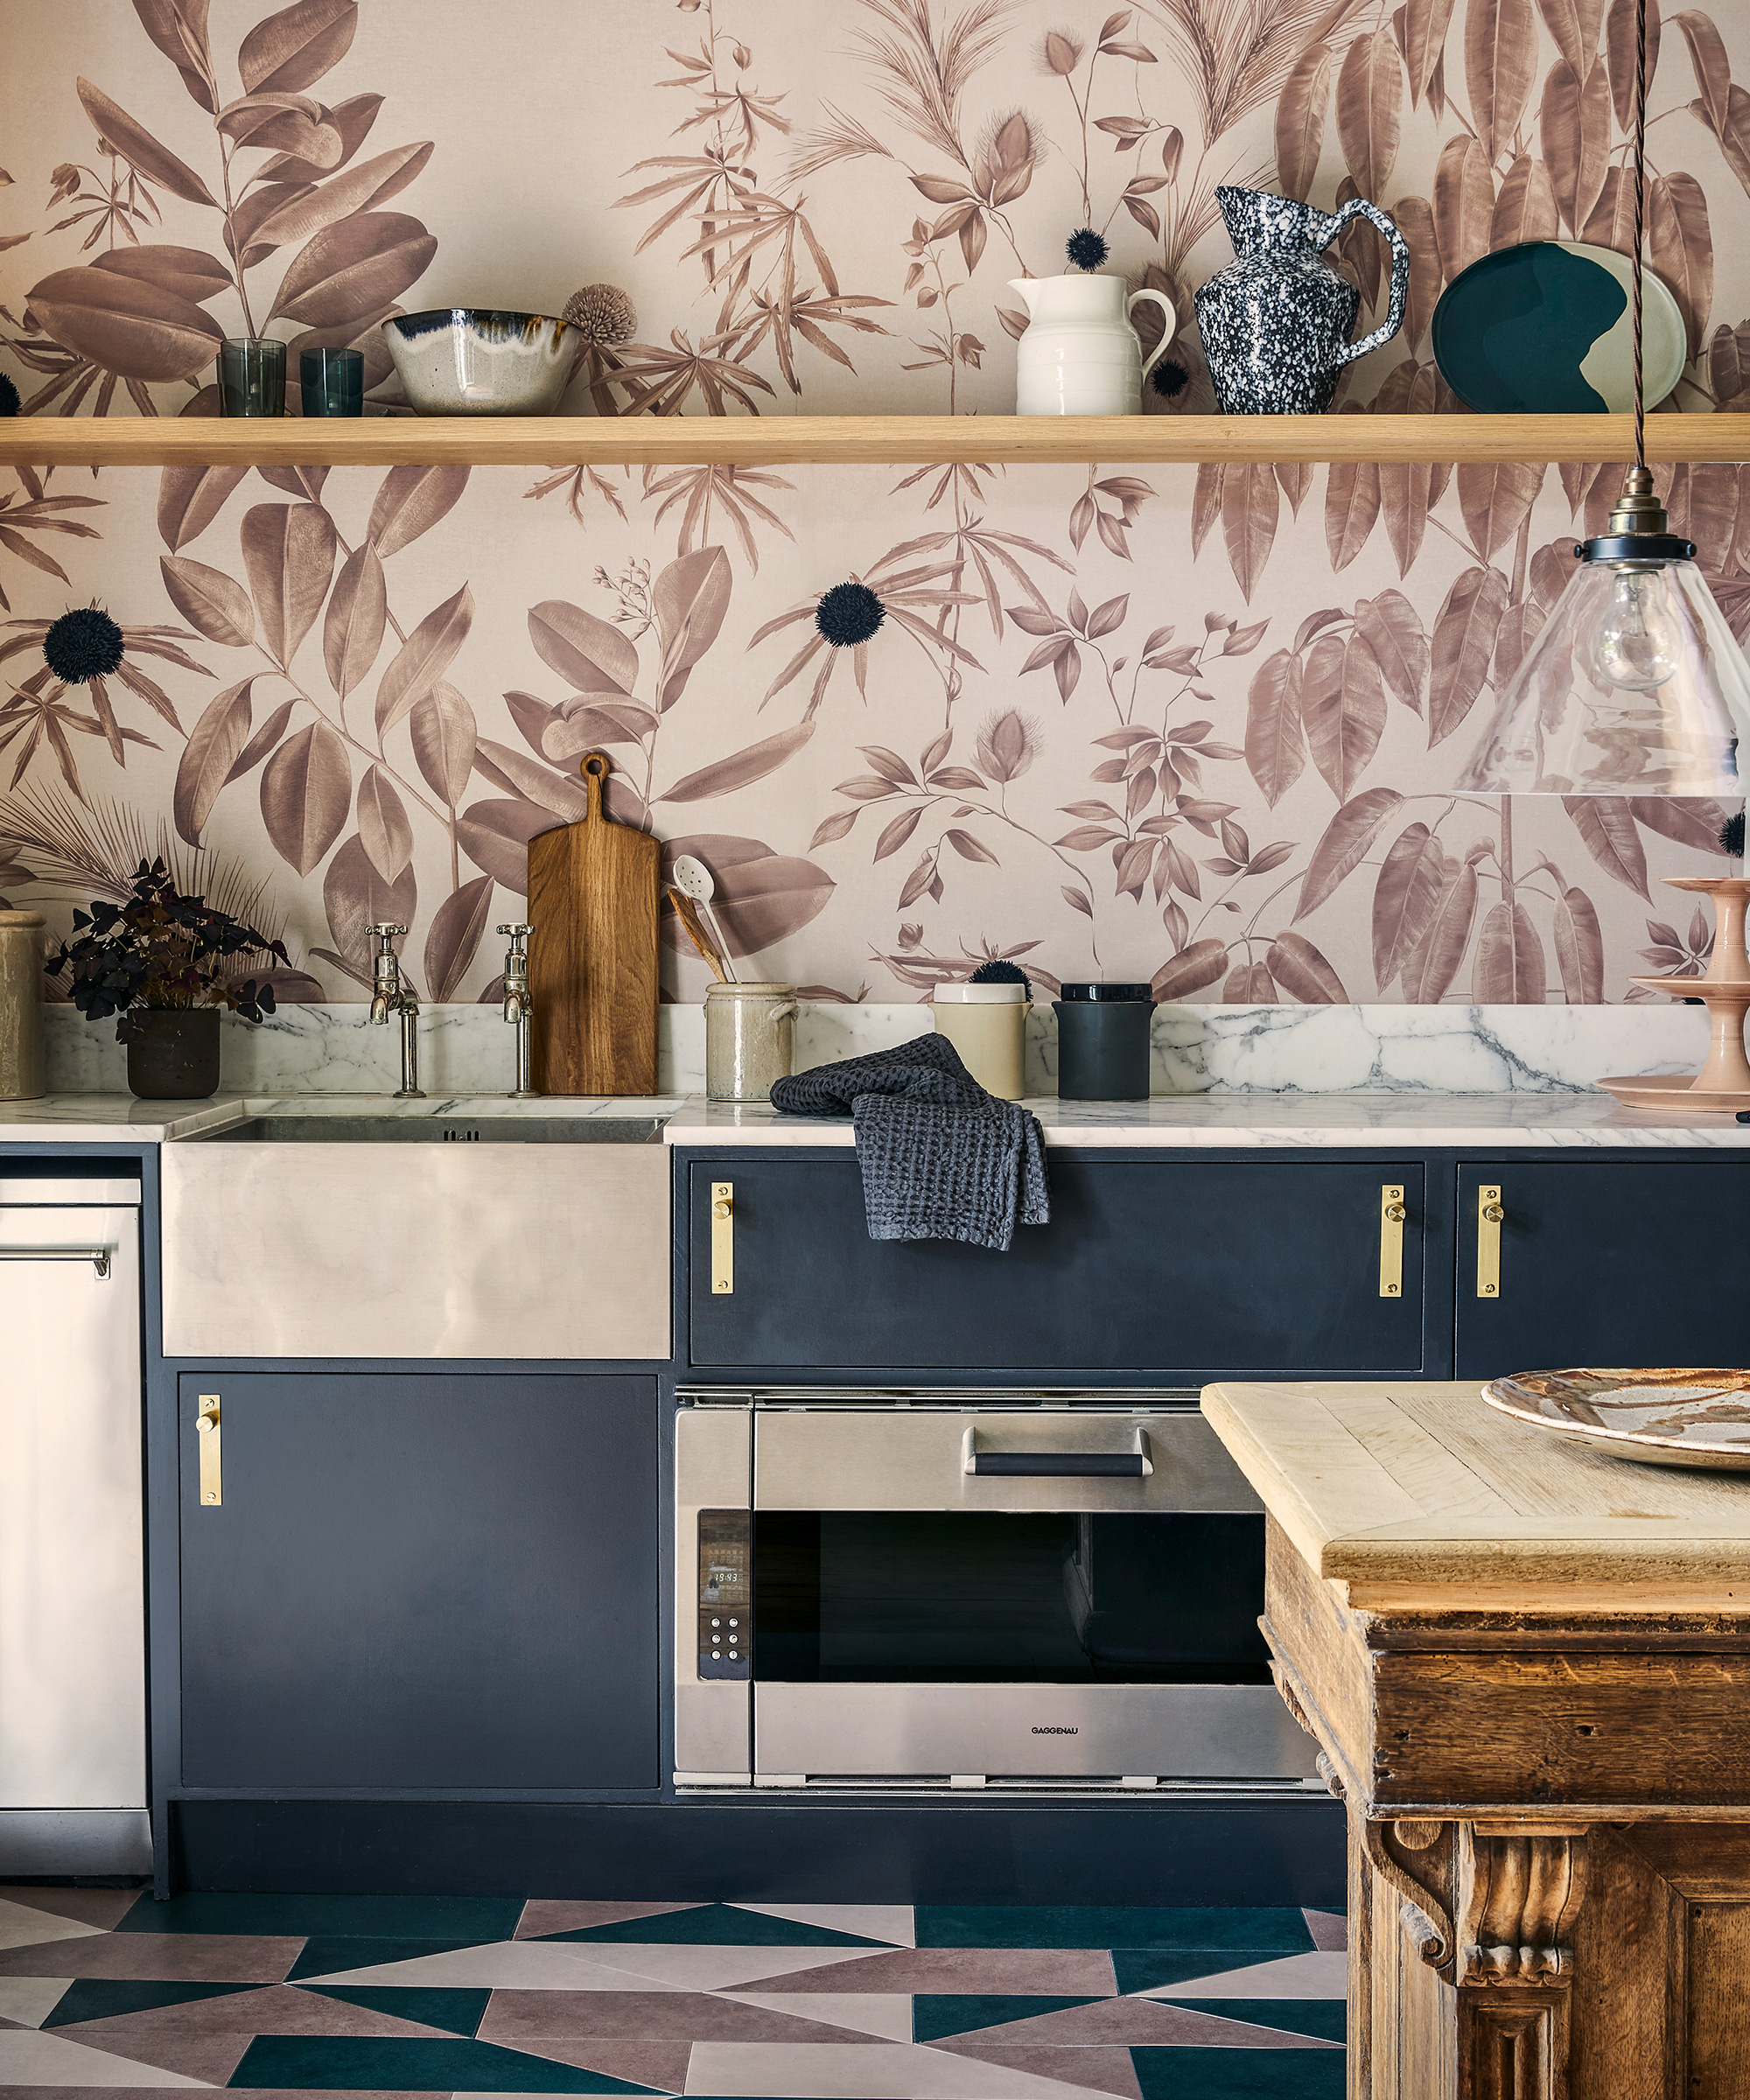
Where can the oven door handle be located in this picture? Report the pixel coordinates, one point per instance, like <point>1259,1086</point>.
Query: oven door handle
<point>1135,1465</point>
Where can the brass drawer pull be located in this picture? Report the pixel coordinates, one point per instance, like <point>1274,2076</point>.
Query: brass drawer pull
<point>212,1476</point>
<point>1490,1216</point>
<point>1391,1216</point>
<point>722,1239</point>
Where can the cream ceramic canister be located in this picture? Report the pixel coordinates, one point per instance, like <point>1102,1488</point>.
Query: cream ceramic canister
<point>987,1025</point>
<point>750,1040</point>
<point>21,1005</point>
<point>1080,355</point>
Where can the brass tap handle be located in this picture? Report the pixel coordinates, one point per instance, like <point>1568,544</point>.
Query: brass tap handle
<point>387,937</point>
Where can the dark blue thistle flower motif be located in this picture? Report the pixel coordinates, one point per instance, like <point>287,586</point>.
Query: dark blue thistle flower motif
<point>8,397</point>
<point>999,970</point>
<point>1085,249</point>
<point>1169,379</point>
<point>83,643</point>
<point>848,614</point>
<point>1732,837</point>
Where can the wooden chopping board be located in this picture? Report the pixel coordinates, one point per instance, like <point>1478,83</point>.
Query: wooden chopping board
<point>594,889</point>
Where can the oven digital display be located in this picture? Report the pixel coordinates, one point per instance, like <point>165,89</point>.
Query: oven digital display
<point>725,1593</point>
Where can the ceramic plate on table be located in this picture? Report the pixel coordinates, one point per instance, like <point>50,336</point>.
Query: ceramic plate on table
<point>1669,1417</point>
<point>1546,328</point>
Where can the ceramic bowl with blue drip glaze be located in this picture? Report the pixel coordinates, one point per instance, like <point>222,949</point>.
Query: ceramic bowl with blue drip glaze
<point>481,361</point>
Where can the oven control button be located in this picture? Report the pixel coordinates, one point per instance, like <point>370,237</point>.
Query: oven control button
<point>720,1623</point>
<point>732,1622</point>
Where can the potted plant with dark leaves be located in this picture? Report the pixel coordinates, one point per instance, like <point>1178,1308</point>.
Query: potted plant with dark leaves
<point>158,961</point>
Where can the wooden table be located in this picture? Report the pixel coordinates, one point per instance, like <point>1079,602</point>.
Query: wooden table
<point>1527,1666</point>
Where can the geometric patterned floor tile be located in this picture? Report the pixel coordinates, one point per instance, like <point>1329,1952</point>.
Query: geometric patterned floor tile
<point>1324,2017</point>
<point>26,2001</point>
<point>281,2009</point>
<point>659,2064</point>
<point>30,2058</point>
<point>545,1919</point>
<point>336,2063</point>
<point>529,2019</point>
<point>21,1927</point>
<point>719,1925</point>
<point>1330,1930</point>
<point>349,1917</point>
<point>999,1969</point>
<point>564,1966</point>
<point>198,1957</point>
<point>886,2014</point>
<point>877,2072</point>
<point>935,2014</point>
<point>339,1954</point>
<point>891,1923</point>
<point>446,2011</point>
<point>1239,2075</point>
<point>211,2058</point>
<point>1099,2069</point>
<point>100,1998</point>
<point>1263,1930</point>
<point>1147,2023</point>
<point>1298,1976</point>
<point>103,1907</point>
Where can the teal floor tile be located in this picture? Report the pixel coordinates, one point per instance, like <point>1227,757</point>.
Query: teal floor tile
<point>1241,2074</point>
<point>101,1998</point>
<point>457,2012</point>
<point>468,1920</point>
<point>717,1925</point>
<point>1325,2017</point>
<point>333,1953</point>
<point>939,2013</point>
<point>346,2062</point>
<point>1148,1968</point>
<point>1266,1931</point>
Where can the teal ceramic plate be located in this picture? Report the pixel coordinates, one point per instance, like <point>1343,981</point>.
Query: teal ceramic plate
<point>1546,328</point>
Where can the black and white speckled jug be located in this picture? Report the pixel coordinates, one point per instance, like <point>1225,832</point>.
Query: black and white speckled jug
<point>1276,322</point>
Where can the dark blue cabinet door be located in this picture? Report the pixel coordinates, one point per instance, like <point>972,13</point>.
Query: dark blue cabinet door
<point>419,1580</point>
<point>1629,1262</point>
<point>1174,1270</point>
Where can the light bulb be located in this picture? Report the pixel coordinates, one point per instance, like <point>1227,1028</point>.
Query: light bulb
<point>1636,644</point>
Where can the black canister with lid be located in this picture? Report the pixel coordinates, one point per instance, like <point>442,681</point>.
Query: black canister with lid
<point>1103,1042</point>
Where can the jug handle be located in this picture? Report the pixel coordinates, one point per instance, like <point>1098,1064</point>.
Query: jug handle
<point>1170,316</point>
<point>783,1011</point>
<point>1359,208</point>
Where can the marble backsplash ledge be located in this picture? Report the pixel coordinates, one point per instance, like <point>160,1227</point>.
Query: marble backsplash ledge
<point>468,1050</point>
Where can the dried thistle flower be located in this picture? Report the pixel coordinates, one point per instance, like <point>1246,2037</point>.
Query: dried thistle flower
<point>83,643</point>
<point>603,314</point>
<point>8,397</point>
<point>848,614</point>
<point>1732,837</point>
<point>1169,379</point>
<point>1085,249</point>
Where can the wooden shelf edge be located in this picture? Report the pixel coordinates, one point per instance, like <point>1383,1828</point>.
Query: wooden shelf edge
<point>856,440</point>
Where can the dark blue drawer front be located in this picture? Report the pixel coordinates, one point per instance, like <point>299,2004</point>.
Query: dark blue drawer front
<point>1174,1270</point>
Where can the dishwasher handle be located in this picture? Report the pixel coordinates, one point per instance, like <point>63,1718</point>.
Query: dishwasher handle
<point>98,1257</point>
<point>1135,1465</point>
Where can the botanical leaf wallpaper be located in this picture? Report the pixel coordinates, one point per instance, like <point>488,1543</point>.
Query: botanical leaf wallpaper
<point>1194,725</point>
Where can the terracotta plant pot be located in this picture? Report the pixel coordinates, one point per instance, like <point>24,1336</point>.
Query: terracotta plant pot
<point>176,1056</point>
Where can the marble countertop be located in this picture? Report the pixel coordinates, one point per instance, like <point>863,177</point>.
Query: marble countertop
<point>1167,1121</point>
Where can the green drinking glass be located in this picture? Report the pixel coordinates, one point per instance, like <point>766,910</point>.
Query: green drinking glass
<point>332,381</point>
<point>251,376</point>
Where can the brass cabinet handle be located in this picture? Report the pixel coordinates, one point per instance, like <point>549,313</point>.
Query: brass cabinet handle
<point>1490,1217</point>
<point>1391,1216</point>
<point>722,1239</point>
<point>207,1428</point>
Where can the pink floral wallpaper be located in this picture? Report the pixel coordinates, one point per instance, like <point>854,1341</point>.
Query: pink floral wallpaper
<point>1192,725</point>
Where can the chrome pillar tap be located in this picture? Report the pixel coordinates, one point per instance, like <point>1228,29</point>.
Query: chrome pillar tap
<point>391,994</point>
<point>519,1005</point>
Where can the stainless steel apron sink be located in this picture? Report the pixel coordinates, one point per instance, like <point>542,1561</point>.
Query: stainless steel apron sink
<point>439,1129</point>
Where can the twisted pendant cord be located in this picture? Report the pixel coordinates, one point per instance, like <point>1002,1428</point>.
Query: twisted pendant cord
<point>1640,207</point>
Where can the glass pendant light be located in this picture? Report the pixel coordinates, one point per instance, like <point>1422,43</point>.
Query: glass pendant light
<point>1635,684</point>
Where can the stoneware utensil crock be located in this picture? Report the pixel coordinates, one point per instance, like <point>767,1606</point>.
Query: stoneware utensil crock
<point>1276,322</point>
<point>750,1040</point>
<point>21,1005</point>
<point>1080,355</point>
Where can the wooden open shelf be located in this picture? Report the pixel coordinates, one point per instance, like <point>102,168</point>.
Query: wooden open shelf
<point>856,440</point>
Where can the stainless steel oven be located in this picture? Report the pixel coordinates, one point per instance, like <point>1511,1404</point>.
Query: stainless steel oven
<point>927,1589</point>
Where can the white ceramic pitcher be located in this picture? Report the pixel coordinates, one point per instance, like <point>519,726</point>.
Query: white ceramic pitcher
<point>1080,355</point>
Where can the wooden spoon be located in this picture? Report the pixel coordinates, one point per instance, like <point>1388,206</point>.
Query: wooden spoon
<point>688,913</point>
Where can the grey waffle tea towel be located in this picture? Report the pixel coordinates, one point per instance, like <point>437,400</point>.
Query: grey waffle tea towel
<point>942,1158</point>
